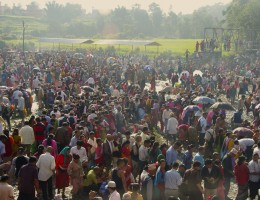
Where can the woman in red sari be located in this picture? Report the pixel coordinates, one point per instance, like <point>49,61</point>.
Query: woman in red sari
<point>99,153</point>
<point>128,174</point>
<point>126,151</point>
<point>62,177</point>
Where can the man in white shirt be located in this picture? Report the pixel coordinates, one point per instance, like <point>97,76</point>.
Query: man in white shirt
<point>172,126</point>
<point>114,195</point>
<point>254,175</point>
<point>203,124</point>
<point>81,151</point>
<point>143,154</point>
<point>172,181</point>
<point>27,137</point>
<point>166,116</point>
<point>46,165</point>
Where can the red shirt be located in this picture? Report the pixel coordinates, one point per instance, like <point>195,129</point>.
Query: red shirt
<point>241,174</point>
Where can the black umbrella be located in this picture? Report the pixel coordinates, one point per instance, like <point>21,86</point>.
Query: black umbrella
<point>87,89</point>
<point>222,105</point>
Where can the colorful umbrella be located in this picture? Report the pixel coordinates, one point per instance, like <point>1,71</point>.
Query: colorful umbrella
<point>242,131</point>
<point>222,105</point>
<point>204,100</point>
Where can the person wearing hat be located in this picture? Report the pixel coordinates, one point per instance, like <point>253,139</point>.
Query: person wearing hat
<point>254,176</point>
<point>227,163</point>
<point>114,195</point>
<point>241,172</point>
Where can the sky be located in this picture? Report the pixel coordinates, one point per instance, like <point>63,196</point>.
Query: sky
<point>184,6</point>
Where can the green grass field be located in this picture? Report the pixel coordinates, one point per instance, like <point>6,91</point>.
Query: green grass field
<point>12,26</point>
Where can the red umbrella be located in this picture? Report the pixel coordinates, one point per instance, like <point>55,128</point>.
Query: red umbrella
<point>185,127</point>
<point>242,131</point>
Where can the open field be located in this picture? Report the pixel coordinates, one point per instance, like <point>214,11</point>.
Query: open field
<point>176,46</point>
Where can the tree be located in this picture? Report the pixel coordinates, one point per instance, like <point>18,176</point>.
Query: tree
<point>156,15</point>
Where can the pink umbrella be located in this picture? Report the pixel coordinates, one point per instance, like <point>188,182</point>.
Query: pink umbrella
<point>242,131</point>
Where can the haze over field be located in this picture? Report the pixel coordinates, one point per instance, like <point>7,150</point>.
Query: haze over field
<point>184,6</point>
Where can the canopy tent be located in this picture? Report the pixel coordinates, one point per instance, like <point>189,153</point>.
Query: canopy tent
<point>132,43</point>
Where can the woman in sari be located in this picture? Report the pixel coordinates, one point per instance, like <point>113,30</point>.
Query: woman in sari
<point>17,141</point>
<point>51,142</point>
<point>76,173</point>
<point>99,153</point>
<point>62,177</point>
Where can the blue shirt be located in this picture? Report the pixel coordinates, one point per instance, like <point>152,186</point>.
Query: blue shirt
<point>199,158</point>
<point>171,156</point>
<point>159,177</point>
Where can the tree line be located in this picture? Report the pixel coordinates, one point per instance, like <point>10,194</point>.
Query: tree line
<point>71,20</point>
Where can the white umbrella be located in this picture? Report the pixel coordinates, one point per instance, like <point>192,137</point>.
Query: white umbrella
<point>197,72</point>
<point>185,72</point>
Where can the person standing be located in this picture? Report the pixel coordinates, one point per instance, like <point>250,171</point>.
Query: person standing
<point>6,190</point>
<point>227,163</point>
<point>39,130</point>
<point>211,175</point>
<point>62,177</point>
<point>201,127</point>
<point>241,172</point>
<point>21,106</point>
<point>171,154</point>
<point>172,181</point>
<point>192,178</point>
<point>46,165</point>
<point>62,136</point>
<point>114,195</point>
<point>28,180</point>
<point>76,173</point>
<point>147,189</point>
<point>172,126</point>
<point>254,176</point>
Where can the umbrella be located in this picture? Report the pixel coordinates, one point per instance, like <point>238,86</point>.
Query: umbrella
<point>111,60</point>
<point>203,100</point>
<point>87,89</point>
<point>197,72</point>
<point>36,69</point>
<point>183,126</point>
<point>222,105</point>
<point>147,67</point>
<point>185,72</point>
<point>242,131</point>
<point>257,106</point>
<point>193,108</point>
<point>167,89</point>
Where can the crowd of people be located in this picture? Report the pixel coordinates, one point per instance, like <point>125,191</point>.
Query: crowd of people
<point>110,128</point>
